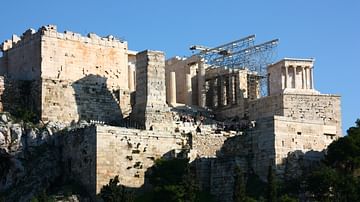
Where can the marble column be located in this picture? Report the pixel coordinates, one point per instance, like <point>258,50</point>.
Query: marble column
<point>311,78</point>
<point>238,93</point>
<point>216,93</point>
<point>188,89</point>
<point>303,86</point>
<point>201,85</point>
<point>220,91</point>
<point>131,80</point>
<point>294,76</point>
<point>307,73</point>
<point>172,89</point>
<point>211,93</point>
<point>286,77</point>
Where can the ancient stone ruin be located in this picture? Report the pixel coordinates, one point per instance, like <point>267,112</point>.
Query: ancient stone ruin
<point>145,108</point>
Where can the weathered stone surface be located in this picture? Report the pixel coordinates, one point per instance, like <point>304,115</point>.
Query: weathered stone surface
<point>151,110</point>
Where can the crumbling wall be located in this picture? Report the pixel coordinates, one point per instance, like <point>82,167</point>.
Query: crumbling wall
<point>253,152</point>
<point>223,176</point>
<point>305,136</point>
<point>265,107</point>
<point>151,110</point>
<point>206,146</point>
<point>79,156</point>
<point>70,56</point>
<point>23,56</point>
<point>56,61</point>
<point>86,99</point>
<point>3,65</point>
<point>129,153</point>
<point>324,108</point>
<point>20,95</point>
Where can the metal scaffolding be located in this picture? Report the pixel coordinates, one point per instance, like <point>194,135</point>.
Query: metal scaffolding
<point>241,54</point>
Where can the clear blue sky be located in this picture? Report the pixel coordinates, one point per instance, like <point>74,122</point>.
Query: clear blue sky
<point>328,30</point>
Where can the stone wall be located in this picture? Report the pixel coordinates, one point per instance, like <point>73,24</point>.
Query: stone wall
<point>86,99</point>
<point>79,156</point>
<point>222,177</point>
<point>76,77</point>
<point>264,107</point>
<point>95,154</point>
<point>151,109</point>
<point>23,56</point>
<point>207,146</point>
<point>70,56</point>
<point>20,95</point>
<point>3,65</point>
<point>129,153</point>
<point>304,136</point>
<point>323,108</point>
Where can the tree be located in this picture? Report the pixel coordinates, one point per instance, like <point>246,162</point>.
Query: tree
<point>322,183</point>
<point>338,180</point>
<point>173,180</point>
<point>286,198</point>
<point>271,187</point>
<point>239,186</point>
<point>190,185</point>
<point>115,192</point>
<point>344,153</point>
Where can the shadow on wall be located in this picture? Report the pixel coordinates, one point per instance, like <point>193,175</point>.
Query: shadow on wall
<point>95,101</point>
<point>21,98</point>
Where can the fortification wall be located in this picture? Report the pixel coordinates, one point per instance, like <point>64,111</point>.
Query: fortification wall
<point>207,146</point>
<point>150,109</point>
<point>223,176</point>
<point>129,153</point>
<point>305,136</point>
<point>79,156</point>
<point>323,108</point>
<point>23,56</point>
<point>85,99</point>
<point>70,56</point>
<point>20,95</point>
<point>76,76</point>
<point>265,107</point>
<point>253,151</point>
<point>3,65</point>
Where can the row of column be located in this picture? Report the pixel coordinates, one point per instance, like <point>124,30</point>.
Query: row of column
<point>222,91</point>
<point>307,77</point>
<point>217,92</point>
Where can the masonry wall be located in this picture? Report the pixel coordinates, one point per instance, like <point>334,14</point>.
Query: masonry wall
<point>79,157</point>
<point>23,59</point>
<point>151,110</point>
<point>83,77</point>
<point>20,95</point>
<point>253,151</point>
<point>77,77</point>
<point>324,108</point>
<point>85,99</point>
<point>129,153</point>
<point>206,146</point>
<point>3,65</point>
<point>70,56</point>
<point>302,136</point>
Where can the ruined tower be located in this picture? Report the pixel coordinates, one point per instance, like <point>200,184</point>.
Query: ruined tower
<point>150,110</point>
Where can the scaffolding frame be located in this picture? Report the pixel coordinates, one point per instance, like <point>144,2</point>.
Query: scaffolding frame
<point>241,54</point>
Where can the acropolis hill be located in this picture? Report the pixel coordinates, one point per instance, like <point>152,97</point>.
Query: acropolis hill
<point>143,107</point>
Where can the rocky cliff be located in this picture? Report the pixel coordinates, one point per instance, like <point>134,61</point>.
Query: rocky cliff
<point>30,158</point>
